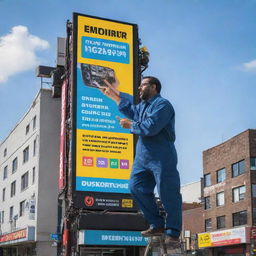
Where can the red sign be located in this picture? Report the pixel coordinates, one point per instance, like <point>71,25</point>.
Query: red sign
<point>87,161</point>
<point>89,201</point>
<point>62,136</point>
<point>227,242</point>
<point>14,236</point>
<point>253,233</point>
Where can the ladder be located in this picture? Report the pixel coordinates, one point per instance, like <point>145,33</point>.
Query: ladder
<point>157,247</point>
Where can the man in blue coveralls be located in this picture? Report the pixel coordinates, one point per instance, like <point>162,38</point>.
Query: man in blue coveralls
<point>156,158</point>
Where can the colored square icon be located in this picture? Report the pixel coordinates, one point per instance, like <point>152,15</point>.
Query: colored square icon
<point>113,163</point>
<point>102,162</point>
<point>87,161</point>
<point>124,164</point>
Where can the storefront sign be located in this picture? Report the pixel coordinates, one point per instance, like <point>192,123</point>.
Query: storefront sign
<point>14,236</point>
<point>111,237</point>
<point>26,234</point>
<point>221,238</point>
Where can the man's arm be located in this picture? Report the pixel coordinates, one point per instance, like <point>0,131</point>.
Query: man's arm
<point>154,122</point>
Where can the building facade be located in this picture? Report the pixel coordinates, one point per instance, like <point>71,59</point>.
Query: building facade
<point>229,196</point>
<point>29,159</point>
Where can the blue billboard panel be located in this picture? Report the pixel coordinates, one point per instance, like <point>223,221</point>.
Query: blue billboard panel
<point>112,237</point>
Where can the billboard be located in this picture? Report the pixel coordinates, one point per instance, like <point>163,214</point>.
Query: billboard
<point>105,53</point>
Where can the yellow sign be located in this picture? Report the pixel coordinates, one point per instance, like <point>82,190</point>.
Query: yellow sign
<point>204,240</point>
<point>104,150</point>
<point>127,203</point>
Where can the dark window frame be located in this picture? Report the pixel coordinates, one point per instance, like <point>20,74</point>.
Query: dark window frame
<point>207,180</point>
<point>218,177</point>
<point>208,225</point>
<point>241,218</point>
<point>241,196</point>
<point>3,194</point>
<point>220,220</point>
<point>5,173</point>
<point>14,164</point>
<point>13,189</point>
<point>238,168</point>
<point>253,163</point>
<point>24,181</point>
<point>217,199</point>
<point>22,208</point>
<point>26,154</point>
<point>207,202</point>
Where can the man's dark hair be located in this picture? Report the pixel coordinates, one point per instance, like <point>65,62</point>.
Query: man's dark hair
<point>154,80</point>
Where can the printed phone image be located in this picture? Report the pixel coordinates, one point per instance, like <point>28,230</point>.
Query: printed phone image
<point>94,75</point>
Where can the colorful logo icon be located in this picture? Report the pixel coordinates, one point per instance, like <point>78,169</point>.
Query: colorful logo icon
<point>124,164</point>
<point>102,162</point>
<point>113,163</point>
<point>89,201</point>
<point>87,161</point>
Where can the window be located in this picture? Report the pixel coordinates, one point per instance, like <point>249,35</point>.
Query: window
<point>26,154</point>
<point>33,175</point>
<point>22,208</point>
<point>34,123</point>
<point>24,181</point>
<point>253,163</point>
<point>3,194</point>
<point>254,190</point>
<point>5,152</point>
<point>208,225</point>
<point>239,218</point>
<point>207,180</point>
<point>14,165</point>
<point>5,172</point>
<point>238,168</point>
<point>221,175</point>
<point>238,194</point>
<point>34,147</point>
<point>2,217</point>
<point>220,199</point>
<point>11,213</point>
<point>254,216</point>
<point>27,129</point>
<point>13,188</point>
<point>220,222</point>
<point>207,203</point>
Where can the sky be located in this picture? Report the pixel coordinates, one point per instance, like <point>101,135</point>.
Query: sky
<point>203,52</point>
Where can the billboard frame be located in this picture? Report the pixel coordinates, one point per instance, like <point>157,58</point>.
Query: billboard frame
<point>78,197</point>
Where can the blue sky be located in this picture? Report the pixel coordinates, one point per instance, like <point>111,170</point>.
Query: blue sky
<point>203,51</point>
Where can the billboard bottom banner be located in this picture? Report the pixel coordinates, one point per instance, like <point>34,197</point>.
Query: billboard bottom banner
<point>104,201</point>
<point>102,185</point>
<point>111,237</point>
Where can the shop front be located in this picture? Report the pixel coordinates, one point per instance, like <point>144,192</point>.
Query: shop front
<point>19,243</point>
<point>234,242</point>
<point>111,243</point>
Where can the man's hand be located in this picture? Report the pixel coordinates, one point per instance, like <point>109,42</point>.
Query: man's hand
<point>111,92</point>
<point>125,123</point>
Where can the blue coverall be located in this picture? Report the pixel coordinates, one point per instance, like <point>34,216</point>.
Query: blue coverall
<point>155,161</point>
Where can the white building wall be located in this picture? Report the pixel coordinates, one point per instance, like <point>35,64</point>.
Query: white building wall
<point>191,192</point>
<point>44,189</point>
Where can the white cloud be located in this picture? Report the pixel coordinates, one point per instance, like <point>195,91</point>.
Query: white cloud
<point>249,66</point>
<point>18,52</point>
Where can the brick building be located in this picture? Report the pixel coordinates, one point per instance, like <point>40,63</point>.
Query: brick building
<point>230,196</point>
